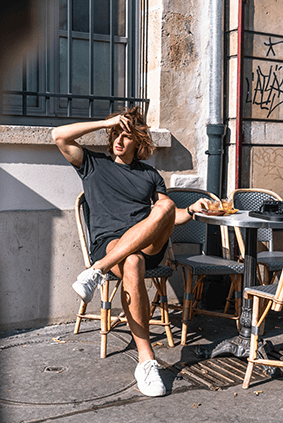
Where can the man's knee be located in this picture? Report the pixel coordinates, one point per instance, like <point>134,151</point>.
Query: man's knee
<point>133,272</point>
<point>167,208</point>
<point>134,263</point>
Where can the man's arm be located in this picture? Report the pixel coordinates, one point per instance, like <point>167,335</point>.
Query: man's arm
<point>182,216</point>
<point>65,136</point>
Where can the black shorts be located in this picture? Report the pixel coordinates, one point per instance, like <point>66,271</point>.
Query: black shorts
<point>151,261</point>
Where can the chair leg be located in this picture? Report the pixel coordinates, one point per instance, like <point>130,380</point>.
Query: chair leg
<point>262,305</point>
<point>164,312</point>
<point>261,282</point>
<point>82,310</point>
<point>248,375</point>
<point>238,294</point>
<point>254,343</point>
<point>197,291</point>
<point>161,296</point>
<point>187,305</point>
<point>104,318</point>
<point>230,294</point>
<point>153,304</point>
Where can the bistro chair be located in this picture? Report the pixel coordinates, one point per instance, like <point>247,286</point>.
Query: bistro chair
<point>158,276</point>
<point>252,199</point>
<point>273,295</point>
<point>201,265</point>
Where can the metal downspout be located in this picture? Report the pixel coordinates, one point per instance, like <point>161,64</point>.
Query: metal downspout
<point>215,128</point>
<point>239,115</point>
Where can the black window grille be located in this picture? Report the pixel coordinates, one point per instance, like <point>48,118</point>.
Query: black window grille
<point>90,60</point>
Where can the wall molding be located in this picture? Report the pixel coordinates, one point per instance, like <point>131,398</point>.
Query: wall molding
<point>40,135</point>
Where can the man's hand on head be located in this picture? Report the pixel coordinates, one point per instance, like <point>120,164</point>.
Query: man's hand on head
<point>118,120</point>
<point>125,124</point>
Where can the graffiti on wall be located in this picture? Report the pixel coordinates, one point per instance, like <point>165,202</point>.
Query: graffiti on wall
<point>268,165</point>
<point>264,82</point>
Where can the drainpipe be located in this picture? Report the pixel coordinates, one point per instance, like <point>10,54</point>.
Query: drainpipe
<point>215,128</point>
<point>239,115</point>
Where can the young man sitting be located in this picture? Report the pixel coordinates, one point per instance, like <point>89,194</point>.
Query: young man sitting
<point>129,235</point>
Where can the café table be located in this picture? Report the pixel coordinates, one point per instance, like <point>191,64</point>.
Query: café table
<point>240,345</point>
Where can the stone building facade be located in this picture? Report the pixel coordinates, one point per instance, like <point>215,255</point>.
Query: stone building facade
<point>40,251</point>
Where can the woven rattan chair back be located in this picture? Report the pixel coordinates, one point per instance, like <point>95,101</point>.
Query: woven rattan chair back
<point>193,232</point>
<point>252,199</point>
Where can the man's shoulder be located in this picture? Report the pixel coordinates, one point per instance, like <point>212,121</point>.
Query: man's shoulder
<point>150,172</point>
<point>96,157</point>
<point>145,166</point>
<point>96,154</point>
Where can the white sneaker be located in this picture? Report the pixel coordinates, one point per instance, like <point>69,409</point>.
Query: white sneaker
<point>148,379</point>
<point>87,282</point>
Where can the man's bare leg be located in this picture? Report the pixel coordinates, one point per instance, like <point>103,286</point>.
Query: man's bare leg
<point>136,306</point>
<point>135,302</point>
<point>149,235</point>
<point>137,310</point>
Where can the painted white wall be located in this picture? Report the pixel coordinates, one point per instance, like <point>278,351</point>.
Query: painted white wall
<point>36,178</point>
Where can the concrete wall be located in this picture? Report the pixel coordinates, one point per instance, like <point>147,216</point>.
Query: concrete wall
<point>40,256</point>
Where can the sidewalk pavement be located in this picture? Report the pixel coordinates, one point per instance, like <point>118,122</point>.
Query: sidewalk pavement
<point>51,375</point>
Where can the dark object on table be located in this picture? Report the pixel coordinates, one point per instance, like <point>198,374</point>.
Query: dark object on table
<point>269,210</point>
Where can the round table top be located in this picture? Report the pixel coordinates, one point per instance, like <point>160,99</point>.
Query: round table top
<point>240,219</point>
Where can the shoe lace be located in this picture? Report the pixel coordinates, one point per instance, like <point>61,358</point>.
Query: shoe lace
<point>100,281</point>
<point>151,371</point>
<point>95,280</point>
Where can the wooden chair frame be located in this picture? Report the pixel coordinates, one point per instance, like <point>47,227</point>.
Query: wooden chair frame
<point>273,296</point>
<point>109,322</point>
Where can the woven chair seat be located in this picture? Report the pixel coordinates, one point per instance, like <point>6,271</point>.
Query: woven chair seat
<point>264,289</point>
<point>157,272</point>
<point>210,265</point>
<point>111,277</point>
<point>274,259</point>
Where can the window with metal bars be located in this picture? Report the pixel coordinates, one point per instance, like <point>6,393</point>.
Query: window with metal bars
<point>89,60</point>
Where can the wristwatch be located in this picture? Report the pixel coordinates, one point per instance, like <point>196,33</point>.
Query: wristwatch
<point>190,212</point>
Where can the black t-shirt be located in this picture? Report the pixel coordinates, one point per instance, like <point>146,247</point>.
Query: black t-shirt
<point>118,195</point>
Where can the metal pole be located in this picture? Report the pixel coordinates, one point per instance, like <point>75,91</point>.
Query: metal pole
<point>91,58</point>
<point>215,128</point>
<point>69,62</point>
<point>239,117</point>
<point>24,81</point>
<point>112,45</point>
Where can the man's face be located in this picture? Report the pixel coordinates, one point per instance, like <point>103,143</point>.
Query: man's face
<point>124,146</point>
